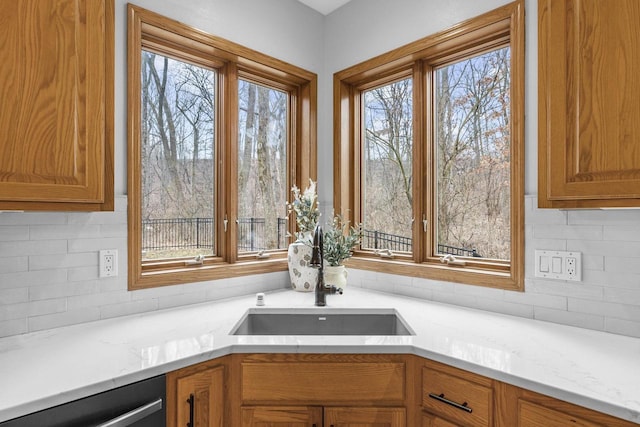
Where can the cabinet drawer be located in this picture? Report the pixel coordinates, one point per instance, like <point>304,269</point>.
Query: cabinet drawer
<point>323,382</point>
<point>456,398</point>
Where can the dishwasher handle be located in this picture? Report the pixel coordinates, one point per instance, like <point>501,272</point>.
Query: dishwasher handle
<point>137,414</point>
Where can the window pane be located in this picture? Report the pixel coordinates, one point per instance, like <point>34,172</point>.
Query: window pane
<point>262,167</point>
<point>178,102</point>
<point>473,156</point>
<point>387,199</point>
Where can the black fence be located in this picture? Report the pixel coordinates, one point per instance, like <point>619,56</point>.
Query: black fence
<point>251,234</point>
<point>177,233</point>
<point>373,239</point>
<point>199,233</point>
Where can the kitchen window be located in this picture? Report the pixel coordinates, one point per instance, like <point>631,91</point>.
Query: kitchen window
<point>428,152</point>
<point>218,134</point>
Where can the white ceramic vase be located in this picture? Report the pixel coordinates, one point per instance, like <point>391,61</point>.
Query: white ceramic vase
<point>303,276</point>
<point>336,275</point>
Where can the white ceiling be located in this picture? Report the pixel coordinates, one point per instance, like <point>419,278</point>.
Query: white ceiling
<point>325,7</point>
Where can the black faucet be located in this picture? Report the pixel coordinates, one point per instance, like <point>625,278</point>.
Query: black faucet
<point>317,261</point>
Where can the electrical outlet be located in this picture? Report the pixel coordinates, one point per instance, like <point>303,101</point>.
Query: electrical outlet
<point>558,265</point>
<point>108,263</point>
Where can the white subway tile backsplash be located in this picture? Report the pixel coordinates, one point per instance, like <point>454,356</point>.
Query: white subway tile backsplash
<point>98,299</point>
<point>62,290</point>
<point>10,233</point>
<point>13,327</point>
<point>70,317</point>
<point>622,327</point>
<point>32,278</point>
<point>604,217</point>
<point>131,307</point>
<point>34,308</point>
<point>14,264</point>
<point>606,309</point>
<point>49,273</point>
<point>622,232</point>
<point>623,296</point>
<point>13,296</point>
<point>30,247</point>
<point>73,231</point>
<point>580,232</point>
<point>44,262</point>
<point>622,264</point>
<point>581,320</point>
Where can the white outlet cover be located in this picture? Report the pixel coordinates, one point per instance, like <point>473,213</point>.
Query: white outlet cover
<point>561,265</point>
<point>108,263</point>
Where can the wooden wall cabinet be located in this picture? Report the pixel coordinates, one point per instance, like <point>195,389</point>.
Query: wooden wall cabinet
<point>56,120</point>
<point>589,104</point>
<point>196,396</point>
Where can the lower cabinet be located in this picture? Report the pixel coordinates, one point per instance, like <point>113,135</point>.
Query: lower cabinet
<point>452,394</point>
<point>293,416</point>
<point>357,390</point>
<point>429,420</point>
<point>196,396</point>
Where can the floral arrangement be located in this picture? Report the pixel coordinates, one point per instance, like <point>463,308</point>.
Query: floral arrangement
<point>305,207</point>
<point>339,240</point>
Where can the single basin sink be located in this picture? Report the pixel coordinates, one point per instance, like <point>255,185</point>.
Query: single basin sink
<point>321,322</point>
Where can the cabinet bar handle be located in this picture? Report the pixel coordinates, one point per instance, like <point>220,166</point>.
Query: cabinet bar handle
<point>191,402</point>
<point>440,397</point>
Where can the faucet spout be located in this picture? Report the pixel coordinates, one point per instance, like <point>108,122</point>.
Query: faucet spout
<point>317,261</point>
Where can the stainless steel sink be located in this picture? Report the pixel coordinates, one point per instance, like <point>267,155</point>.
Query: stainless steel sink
<point>321,322</point>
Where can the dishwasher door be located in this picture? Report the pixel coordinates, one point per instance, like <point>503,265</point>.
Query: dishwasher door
<point>141,404</point>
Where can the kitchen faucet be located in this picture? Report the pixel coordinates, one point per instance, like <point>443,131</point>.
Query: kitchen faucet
<point>317,261</point>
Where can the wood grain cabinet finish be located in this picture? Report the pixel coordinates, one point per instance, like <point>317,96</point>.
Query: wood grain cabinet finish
<point>297,416</point>
<point>429,420</point>
<point>456,395</point>
<point>589,103</point>
<point>282,416</point>
<point>524,408</point>
<point>364,417</point>
<point>196,396</point>
<point>56,87</point>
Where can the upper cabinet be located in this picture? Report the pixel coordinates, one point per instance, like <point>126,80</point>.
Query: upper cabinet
<point>589,103</point>
<point>56,89</point>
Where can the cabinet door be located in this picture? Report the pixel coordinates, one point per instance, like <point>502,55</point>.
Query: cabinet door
<point>200,398</point>
<point>532,415</point>
<point>429,420</point>
<point>281,416</point>
<point>56,79</point>
<point>364,417</point>
<point>589,132</point>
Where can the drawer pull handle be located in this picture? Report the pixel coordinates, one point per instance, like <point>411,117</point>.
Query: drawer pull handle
<point>440,397</point>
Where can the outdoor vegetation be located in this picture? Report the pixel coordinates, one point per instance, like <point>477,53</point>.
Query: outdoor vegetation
<point>471,167</point>
<point>471,132</point>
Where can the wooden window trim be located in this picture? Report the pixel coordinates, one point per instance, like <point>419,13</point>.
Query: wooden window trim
<point>502,26</point>
<point>150,31</point>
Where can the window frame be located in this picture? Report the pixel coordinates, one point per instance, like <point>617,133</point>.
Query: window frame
<point>503,26</point>
<point>153,32</point>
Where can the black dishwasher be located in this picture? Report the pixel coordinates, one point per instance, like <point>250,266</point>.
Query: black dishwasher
<point>141,404</point>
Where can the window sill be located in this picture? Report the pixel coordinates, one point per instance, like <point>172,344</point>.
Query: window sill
<point>201,273</point>
<point>499,279</point>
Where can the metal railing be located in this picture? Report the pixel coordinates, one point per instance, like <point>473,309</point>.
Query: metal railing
<point>199,233</point>
<point>373,239</point>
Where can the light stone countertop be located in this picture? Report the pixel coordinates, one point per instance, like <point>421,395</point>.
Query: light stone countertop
<point>589,368</point>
